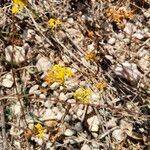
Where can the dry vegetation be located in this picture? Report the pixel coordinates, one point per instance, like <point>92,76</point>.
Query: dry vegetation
<point>74,74</point>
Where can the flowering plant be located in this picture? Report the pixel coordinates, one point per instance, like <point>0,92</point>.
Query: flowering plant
<point>58,74</point>
<point>83,95</point>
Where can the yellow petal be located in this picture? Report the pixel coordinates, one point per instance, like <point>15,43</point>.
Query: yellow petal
<point>20,2</point>
<point>15,9</point>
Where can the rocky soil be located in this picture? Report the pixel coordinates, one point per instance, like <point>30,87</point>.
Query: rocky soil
<point>74,74</point>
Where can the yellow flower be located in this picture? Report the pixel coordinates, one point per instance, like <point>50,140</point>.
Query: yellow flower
<point>18,5</point>
<point>83,95</point>
<point>39,127</point>
<point>58,74</point>
<point>40,135</point>
<point>20,2</point>
<point>54,23</point>
<point>15,9</point>
<point>90,56</point>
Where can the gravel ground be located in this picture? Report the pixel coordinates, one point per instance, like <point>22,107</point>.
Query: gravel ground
<point>74,74</point>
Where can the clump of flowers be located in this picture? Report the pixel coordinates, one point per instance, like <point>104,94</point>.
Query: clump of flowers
<point>39,129</point>
<point>119,14</point>
<point>58,74</point>
<point>101,85</point>
<point>18,5</point>
<point>83,95</point>
<point>54,23</point>
<point>90,56</point>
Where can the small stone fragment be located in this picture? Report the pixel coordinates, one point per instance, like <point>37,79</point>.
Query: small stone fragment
<point>19,54</point>
<point>7,80</point>
<point>85,147</point>
<point>33,89</point>
<point>69,132</point>
<point>118,135</point>
<point>43,64</point>
<point>112,41</point>
<point>54,86</point>
<point>78,126</point>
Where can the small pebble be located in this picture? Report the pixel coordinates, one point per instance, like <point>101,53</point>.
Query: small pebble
<point>85,147</point>
<point>118,135</point>
<point>7,81</point>
<point>54,86</point>
<point>78,126</point>
<point>33,89</point>
<point>69,132</point>
<point>112,41</point>
<point>43,64</point>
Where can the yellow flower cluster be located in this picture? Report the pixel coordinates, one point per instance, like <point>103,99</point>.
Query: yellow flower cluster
<point>18,5</point>
<point>91,56</point>
<point>39,129</point>
<point>54,23</point>
<point>117,15</point>
<point>58,74</point>
<point>83,95</point>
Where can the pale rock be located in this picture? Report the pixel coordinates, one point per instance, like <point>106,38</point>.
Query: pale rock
<point>147,13</point>
<point>94,134</point>
<point>94,128</point>
<point>83,83</point>
<point>33,89</point>
<point>67,118</point>
<point>16,109</point>
<point>126,40</point>
<point>62,97</point>
<point>43,64</point>
<point>38,39</point>
<point>91,47</point>
<point>129,28</point>
<point>44,84</point>
<point>7,80</point>
<point>17,144</point>
<point>19,54</point>
<point>40,141</point>
<point>111,123</point>
<point>93,123</point>
<point>48,104</point>
<point>61,88</point>
<point>70,20</point>
<point>79,113</point>
<point>71,85</point>
<point>118,135</point>
<point>120,35</point>
<point>31,126</point>
<point>90,109</point>
<point>30,34</point>
<point>55,93</point>
<point>49,114</point>
<point>55,86</point>
<point>59,115</point>
<point>144,63</point>
<point>15,131</point>
<point>69,132</point>
<point>112,41</point>
<point>95,97</point>
<point>55,109</point>
<point>128,71</point>
<point>48,145</point>
<point>78,127</point>
<point>138,35</point>
<point>86,147</point>
<point>42,96</point>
